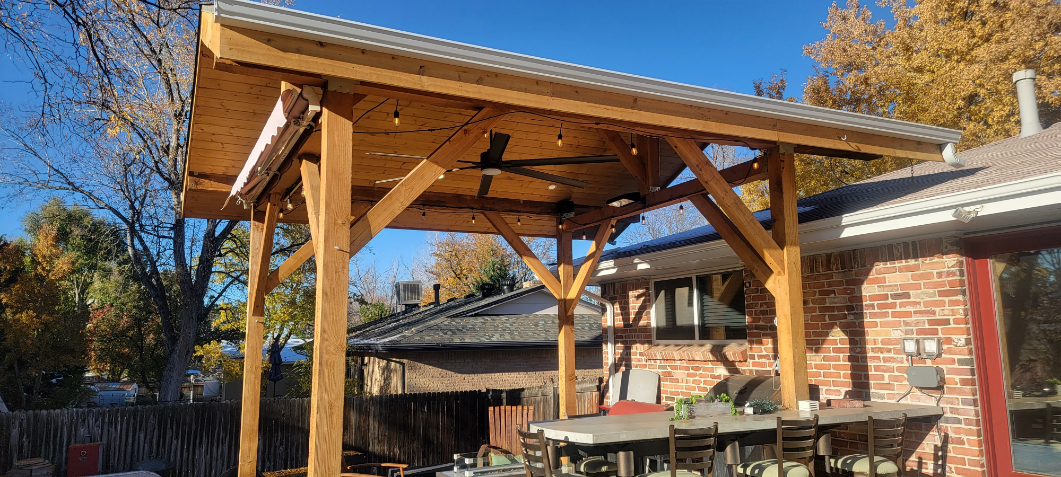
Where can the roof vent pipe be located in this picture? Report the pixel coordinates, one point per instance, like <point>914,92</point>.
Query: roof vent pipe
<point>1029,108</point>
<point>438,289</point>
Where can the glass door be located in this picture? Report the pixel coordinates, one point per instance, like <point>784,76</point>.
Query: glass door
<point>1027,288</point>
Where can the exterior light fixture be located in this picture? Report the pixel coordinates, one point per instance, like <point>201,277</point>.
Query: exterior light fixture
<point>551,187</point>
<point>560,137</point>
<point>518,223</point>
<point>681,209</point>
<point>755,165</point>
<point>473,218</point>
<point>910,346</point>
<point>633,148</point>
<point>491,171</point>
<point>966,215</point>
<point>930,348</point>
<point>397,119</point>
<point>288,204</point>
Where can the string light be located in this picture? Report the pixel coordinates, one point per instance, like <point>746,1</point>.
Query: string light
<point>583,235</point>
<point>473,218</point>
<point>560,137</point>
<point>643,221</point>
<point>288,204</point>
<point>681,209</point>
<point>423,213</point>
<point>397,120</point>
<point>613,228</point>
<point>442,175</point>
<point>486,133</point>
<point>633,148</point>
<point>518,223</point>
<point>280,215</point>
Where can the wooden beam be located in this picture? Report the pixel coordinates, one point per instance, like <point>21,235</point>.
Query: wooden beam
<point>730,288</point>
<point>733,238</point>
<point>333,281</point>
<point>788,292</point>
<point>420,178</point>
<point>311,188</point>
<point>729,202</point>
<point>278,51</point>
<point>650,146</point>
<point>566,320</point>
<point>261,247</point>
<point>738,174</point>
<point>596,248</point>
<point>540,270</point>
<point>633,163</point>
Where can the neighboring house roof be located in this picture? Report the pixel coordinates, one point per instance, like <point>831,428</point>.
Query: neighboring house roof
<point>287,353</point>
<point>125,387</point>
<point>1011,168</point>
<point>466,323</point>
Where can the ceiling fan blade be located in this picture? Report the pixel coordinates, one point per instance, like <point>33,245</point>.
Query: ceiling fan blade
<point>562,161</point>
<point>498,143</point>
<point>545,176</point>
<point>484,185</point>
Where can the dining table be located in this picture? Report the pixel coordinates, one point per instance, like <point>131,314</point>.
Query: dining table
<point>740,435</point>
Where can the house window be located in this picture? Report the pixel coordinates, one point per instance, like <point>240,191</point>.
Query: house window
<point>700,308</point>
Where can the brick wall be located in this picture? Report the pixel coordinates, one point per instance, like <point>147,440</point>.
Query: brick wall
<point>858,304</point>
<point>438,371</point>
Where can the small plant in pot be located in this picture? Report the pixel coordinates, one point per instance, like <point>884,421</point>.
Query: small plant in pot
<point>1055,384</point>
<point>762,406</point>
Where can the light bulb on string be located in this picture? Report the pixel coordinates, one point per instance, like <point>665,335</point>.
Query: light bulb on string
<point>423,214</point>
<point>397,119</point>
<point>755,164</point>
<point>518,223</point>
<point>633,148</point>
<point>288,204</point>
<point>643,221</point>
<point>560,137</point>
<point>681,209</point>
<point>613,229</point>
<point>473,218</point>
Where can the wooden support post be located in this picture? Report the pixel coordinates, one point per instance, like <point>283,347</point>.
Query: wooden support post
<point>566,318</point>
<point>261,247</point>
<point>650,146</point>
<point>333,280</point>
<point>788,292</point>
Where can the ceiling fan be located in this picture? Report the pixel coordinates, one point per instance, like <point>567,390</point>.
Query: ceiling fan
<point>491,164</point>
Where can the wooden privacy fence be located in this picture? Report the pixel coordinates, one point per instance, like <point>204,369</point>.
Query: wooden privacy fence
<point>504,420</point>
<point>202,439</point>
<point>546,401</point>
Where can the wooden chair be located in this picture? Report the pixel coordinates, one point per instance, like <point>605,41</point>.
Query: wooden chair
<point>400,467</point>
<point>535,449</point>
<point>797,440</point>
<point>884,448</point>
<point>692,453</point>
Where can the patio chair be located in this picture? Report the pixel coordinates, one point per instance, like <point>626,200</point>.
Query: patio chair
<point>795,449</point>
<point>632,385</point>
<point>884,449</point>
<point>691,451</point>
<point>536,459</point>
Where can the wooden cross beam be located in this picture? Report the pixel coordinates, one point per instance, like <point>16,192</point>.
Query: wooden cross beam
<point>261,246</point>
<point>633,163</point>
<point>540,270</point>
<point>738,174</point>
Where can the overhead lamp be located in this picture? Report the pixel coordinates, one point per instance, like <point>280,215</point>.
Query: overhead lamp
<point>755,165</point>
<point>633,148</point>
<point>518,222</point>
<point>551,187</point>
<point>560,137</point>
<point>491,171</point>
<point>643,221</point>
<point>681,209</point>
<point>473,218</point>
<point>397,120</point>
<point>625,199</point>
<point>288,204</point>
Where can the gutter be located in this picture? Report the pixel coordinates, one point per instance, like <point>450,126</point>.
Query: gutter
<point>310,26</point>
<point>382,346</point>
<point>611,329</point>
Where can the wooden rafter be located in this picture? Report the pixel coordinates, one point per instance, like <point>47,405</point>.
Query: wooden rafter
<point>311,187</point>
<point>596,248</point>
<point>729,202</point>
<point>738,174</point>
<point>621,148</point>
<point>733,238</point>
<point>420,178</point>
<point>443,200</point>
<point>650,157</point>
<point>261,246</point>
<point>516,242</point>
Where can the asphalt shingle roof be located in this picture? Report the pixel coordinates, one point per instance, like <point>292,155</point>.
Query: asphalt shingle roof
<point>454,324</point>
<point>1000,162</point>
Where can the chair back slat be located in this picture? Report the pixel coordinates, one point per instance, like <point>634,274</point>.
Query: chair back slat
<point>697,449</point>
<point>885,439</point>
<point>535,449</point>
<point>796,441</point>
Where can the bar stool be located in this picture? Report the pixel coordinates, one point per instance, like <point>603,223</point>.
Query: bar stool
<point>795,449</point>
<point>691,451</point>
<point>884,448</point>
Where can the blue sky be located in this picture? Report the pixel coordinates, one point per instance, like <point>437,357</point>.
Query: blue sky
<point>718,44</point>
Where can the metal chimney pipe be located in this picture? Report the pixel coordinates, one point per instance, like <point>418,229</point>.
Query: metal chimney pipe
<point>438,288</point>
<point>1029,108</point>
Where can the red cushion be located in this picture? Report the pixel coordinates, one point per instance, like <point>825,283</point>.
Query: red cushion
<point>634,407</point>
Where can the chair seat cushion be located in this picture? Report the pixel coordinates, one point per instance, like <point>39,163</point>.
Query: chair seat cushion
<point>666,473</point>
<point>860,463</point>
<point>594,465</point>
<point>633,407</point>
<point>768,468</point>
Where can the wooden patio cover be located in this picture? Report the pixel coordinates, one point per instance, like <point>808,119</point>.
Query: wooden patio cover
<point>450,96</point>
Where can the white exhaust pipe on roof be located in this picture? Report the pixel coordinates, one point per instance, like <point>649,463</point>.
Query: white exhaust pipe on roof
<point>1029,108</point>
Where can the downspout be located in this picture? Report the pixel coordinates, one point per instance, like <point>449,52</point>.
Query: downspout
<point>611,330</point>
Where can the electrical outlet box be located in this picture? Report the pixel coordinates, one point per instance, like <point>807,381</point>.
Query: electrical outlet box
<point>925,376</point>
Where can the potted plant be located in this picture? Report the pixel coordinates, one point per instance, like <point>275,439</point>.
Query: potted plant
<point>762,406</point>
<point>1055,384</point>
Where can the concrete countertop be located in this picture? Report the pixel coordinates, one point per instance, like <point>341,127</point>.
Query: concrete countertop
<point>656,425</point>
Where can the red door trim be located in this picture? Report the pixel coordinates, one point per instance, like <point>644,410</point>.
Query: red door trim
<point>987,352</point>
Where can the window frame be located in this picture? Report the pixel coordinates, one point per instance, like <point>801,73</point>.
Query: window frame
<point>692,276</point>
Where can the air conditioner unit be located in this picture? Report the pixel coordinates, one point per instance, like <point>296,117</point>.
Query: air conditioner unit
<point>408,293</point>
